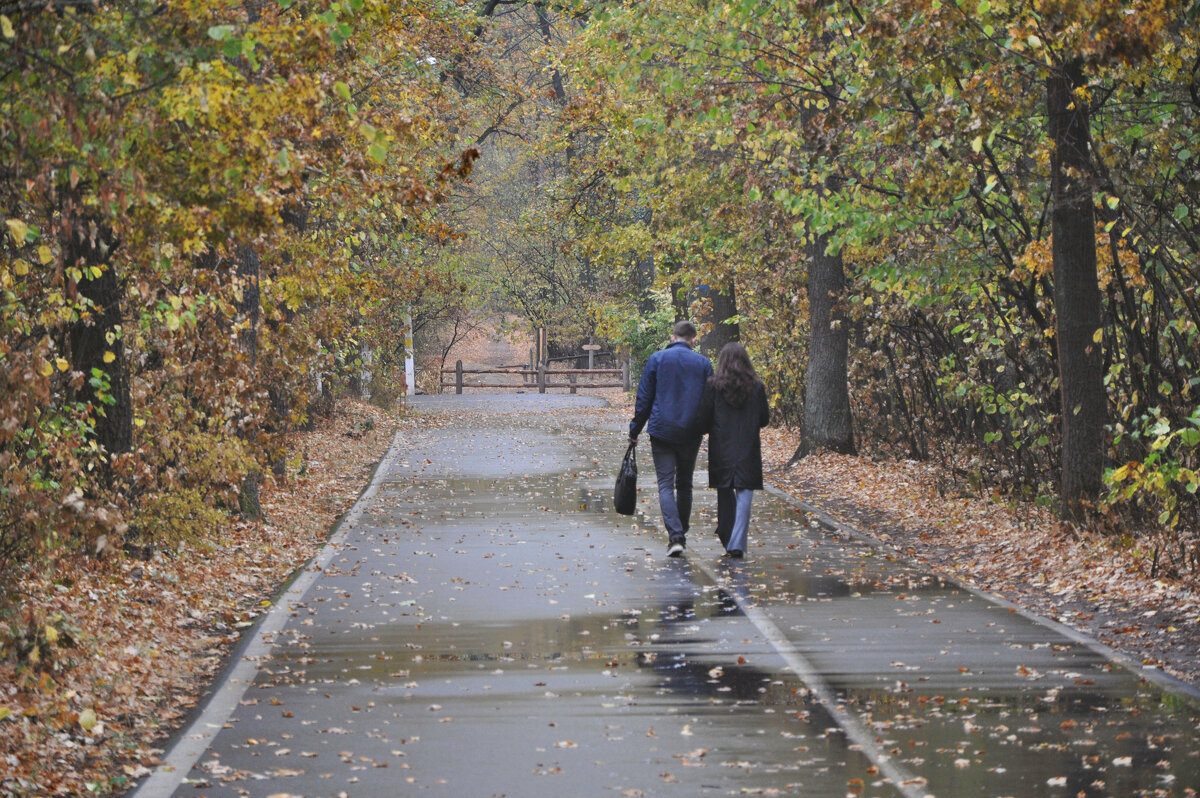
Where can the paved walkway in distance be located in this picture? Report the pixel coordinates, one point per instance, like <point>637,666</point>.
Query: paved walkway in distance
<point>484,625</point>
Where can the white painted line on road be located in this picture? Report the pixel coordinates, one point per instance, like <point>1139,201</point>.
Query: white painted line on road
<point>908,784</point>
<point>192,744</point>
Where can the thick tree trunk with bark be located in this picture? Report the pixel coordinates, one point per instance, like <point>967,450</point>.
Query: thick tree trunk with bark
<point>1076,293</point>
<point>93,337</point>
<point>827,420</point>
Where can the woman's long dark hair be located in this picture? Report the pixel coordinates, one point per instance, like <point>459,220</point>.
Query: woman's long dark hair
<point>735,377</point>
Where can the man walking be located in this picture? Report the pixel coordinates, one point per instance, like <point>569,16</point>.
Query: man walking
<point>668,404</point>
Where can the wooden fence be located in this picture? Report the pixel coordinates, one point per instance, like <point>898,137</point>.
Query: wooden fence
<point>541,378</point>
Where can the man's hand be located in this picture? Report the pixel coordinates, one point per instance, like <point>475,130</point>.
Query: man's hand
<point>633,440</point>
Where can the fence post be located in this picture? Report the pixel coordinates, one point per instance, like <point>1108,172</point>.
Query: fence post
<point>458,377</point>
<point>625,374</point>
<point>572,378</point>
<point>541,377</point>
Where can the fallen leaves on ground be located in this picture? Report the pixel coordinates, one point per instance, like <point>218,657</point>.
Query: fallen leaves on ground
<point>152,633</point>
<point>1023,553</point>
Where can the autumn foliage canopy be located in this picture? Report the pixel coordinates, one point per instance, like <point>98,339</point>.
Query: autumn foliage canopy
<point>209,210</point>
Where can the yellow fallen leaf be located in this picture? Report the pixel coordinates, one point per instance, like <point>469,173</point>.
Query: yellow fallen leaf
<point>18,229</point>
<point>4,712</point>
<point>87,720</point>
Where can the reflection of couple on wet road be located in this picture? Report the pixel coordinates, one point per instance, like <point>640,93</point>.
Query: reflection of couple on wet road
<point>679,400</point>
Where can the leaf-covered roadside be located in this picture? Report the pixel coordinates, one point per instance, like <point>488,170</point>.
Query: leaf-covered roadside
<point>134,641</point>
<point>1100,585</point>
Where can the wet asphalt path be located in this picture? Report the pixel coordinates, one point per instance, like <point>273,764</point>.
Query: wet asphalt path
<point>484,625</point>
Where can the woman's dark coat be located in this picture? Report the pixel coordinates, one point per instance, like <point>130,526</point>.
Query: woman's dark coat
<point>734,450</point>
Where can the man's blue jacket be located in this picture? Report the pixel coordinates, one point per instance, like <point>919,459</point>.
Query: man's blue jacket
<point>668,397</point>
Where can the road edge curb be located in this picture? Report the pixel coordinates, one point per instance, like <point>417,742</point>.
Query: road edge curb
<point>225,693</point>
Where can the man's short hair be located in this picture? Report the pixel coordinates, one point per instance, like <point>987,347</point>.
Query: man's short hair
<point>685,330</point>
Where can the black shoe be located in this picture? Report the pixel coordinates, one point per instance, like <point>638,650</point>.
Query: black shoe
<point>735,554</point>
<point>675,548</point>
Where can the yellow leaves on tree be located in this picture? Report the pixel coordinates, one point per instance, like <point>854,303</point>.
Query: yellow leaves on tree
<point>1036,261</point>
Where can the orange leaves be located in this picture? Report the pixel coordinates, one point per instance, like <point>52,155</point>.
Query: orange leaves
<point>1036,260</point>
<point>1127,268</point>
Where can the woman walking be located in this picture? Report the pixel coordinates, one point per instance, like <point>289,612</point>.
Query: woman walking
<point>733,408</point>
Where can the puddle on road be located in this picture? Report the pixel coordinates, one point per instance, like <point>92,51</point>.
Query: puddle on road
<point>639,699</point>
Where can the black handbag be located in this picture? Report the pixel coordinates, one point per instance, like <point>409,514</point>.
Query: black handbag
<point>625,492</point>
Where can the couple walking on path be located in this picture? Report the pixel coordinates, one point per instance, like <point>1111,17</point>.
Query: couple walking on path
<point>679,400</point>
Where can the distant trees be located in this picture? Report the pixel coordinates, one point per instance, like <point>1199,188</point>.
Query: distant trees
<point>520,256</point>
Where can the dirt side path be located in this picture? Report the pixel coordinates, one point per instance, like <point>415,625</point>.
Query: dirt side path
<point>486,348</point>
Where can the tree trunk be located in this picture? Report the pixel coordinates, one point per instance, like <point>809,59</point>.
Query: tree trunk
<point>547,31</point>
<point>92,338</point>
<point>249,502</point>
<point>249,308</point>
<point>643,267</point>
<point>680,299</point>
<point>827,420</point>
<point>1076,293</point>
<point>724,308</point>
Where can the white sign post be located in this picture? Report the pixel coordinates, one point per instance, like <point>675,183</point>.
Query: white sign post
<point>410,379</point>
<point>591,349</point>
